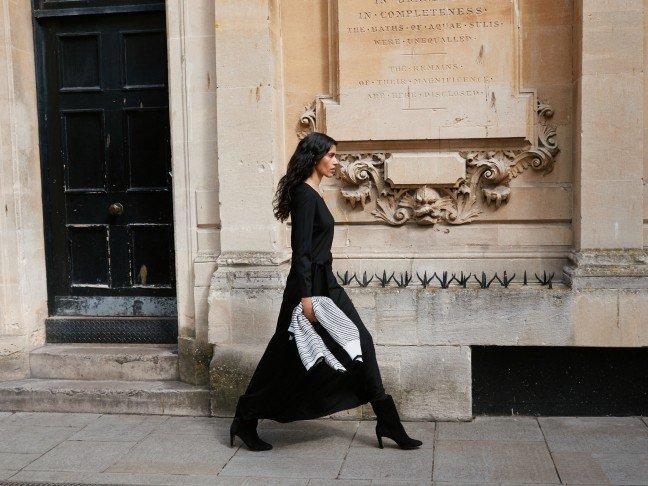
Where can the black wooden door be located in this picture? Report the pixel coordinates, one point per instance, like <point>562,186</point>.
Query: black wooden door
<point>106,164</point>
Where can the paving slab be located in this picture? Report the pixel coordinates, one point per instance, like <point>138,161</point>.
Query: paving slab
<point>31,439</point>
<point>366,463</point>
<point>597,468</point>
<point>120,428</point>
<point>186,480</point>
<point>5,415</point>
<point>412,482</point>
<point>213,426</point>
<point>524,429</point>
<point>7,473</point>
<point>175,454</point>
<point>366,435</point>
<point>12,460</point>
<point>624,468</point>
<point>50,477</point>
<point>339,482</point>
<point>494,461</point>
<point>81,456</point>
<point>595,434</point>
<point>579,468</point>
<point>279,467</point>
<point>462,483</point>
<point>51,419</point>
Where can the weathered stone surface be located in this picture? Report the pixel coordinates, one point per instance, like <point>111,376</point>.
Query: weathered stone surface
<point>193,361</point>
<point>14,358</point>
<point>514,316</point>
<point>157,397</point>
<point>51,419</point>
<point>445,394</point>
<point>175,454</point>
<point>525,429</point>
<point>607,269</point>
<point>394,465</point>
<point>420,168</point>
<point>31,439</point>
<point>396,317</point>
<point>230,372</point>
<point>15,461</point>
<point>81,456</point>
<point>595,434</point>
<point>275,466</point>
<point>121,428</point>
<point>105,362</point>
<point>499,461</point>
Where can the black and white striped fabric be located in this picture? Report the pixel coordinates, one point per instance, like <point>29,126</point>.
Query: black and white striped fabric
<point>310,346</point>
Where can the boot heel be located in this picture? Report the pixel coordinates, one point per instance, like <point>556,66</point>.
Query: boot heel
<point>380,444</point>
<point>231,440</point>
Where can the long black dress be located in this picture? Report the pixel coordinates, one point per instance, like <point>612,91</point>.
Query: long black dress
<point>281,389</point>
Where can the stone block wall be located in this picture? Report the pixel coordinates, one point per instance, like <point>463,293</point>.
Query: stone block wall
<point>423,335</point>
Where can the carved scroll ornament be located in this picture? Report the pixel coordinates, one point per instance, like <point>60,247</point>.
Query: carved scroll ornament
<point>488,175</point>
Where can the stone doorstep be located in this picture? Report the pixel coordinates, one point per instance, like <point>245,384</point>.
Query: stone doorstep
<point>107,396</point>
<point>130,362</point>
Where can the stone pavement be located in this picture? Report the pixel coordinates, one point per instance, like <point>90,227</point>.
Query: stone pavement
<point>152,449</point>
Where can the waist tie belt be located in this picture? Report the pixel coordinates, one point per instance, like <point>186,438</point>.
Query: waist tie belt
<point>318,270</point>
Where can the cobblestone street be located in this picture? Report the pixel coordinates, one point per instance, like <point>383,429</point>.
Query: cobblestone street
<point>151,449</point>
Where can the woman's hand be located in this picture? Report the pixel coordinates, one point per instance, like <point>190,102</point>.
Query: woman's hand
<point>307,305</point>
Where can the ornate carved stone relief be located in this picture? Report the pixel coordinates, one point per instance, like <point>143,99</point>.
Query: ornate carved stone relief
<point>488,175</point>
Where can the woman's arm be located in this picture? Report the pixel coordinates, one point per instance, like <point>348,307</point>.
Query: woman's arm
<point>302,217</point>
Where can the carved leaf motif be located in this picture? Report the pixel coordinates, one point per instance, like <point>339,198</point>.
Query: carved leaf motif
<point>488,174</point>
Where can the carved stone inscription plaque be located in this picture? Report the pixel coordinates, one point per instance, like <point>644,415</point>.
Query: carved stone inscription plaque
<point>426,69</point>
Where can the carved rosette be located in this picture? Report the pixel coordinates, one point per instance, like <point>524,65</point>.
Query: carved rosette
<point>488,175</point>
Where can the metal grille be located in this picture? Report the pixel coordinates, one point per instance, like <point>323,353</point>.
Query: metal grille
<point>148,330</point>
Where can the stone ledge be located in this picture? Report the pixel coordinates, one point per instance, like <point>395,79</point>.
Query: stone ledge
<point>105,362</point>
<point>521,316</point>
<point>607,269</point>
<point>133,397</point>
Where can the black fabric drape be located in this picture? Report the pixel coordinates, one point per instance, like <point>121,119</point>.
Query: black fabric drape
<point>280,388</point>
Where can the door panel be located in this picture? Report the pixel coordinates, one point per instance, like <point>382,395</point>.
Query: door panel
<point>107,163</point>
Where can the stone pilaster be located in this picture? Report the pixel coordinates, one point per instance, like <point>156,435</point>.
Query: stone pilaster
<point>250,125</point>
<point>608,152</point>
<point>23,293</point>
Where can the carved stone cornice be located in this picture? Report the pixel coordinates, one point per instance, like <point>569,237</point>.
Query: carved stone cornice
<point>488,175</point>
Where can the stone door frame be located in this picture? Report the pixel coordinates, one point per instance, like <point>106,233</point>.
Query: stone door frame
<point>24,266</point>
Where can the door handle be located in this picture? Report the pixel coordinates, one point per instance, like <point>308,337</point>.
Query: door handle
<point>116,209</point>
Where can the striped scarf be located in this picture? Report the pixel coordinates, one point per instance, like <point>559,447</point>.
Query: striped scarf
<point>310,346</point>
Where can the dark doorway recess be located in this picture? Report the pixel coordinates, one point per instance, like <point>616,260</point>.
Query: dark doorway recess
<point>586,381</point>
<point>106,160</point>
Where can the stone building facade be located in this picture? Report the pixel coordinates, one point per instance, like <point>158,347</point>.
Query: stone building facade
<point>475,136</point>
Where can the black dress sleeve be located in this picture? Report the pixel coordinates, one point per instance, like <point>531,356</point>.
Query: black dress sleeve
<point>302,217</point>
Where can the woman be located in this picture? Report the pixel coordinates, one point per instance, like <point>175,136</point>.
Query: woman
<point>281,389</point>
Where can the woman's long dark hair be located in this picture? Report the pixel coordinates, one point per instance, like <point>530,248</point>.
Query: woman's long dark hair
<point>309,152</point>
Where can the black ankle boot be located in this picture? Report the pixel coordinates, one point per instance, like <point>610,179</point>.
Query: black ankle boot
<point>246,430</point>
<point>389,425</point>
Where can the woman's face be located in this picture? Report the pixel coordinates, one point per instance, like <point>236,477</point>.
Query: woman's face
<point>327,165</point>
